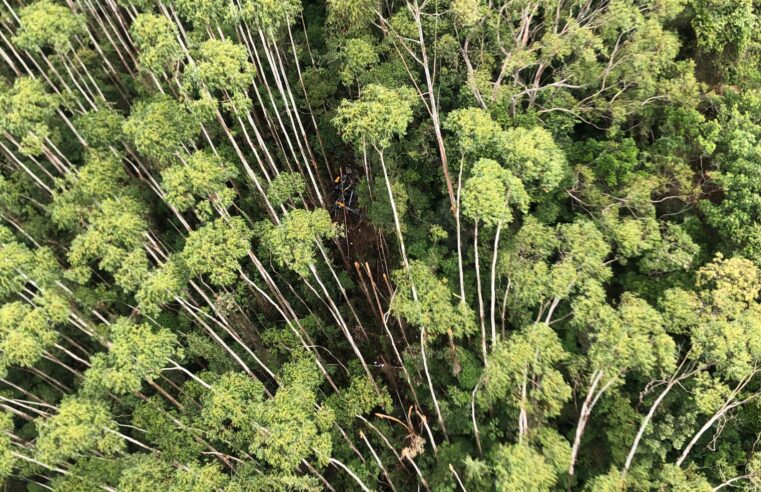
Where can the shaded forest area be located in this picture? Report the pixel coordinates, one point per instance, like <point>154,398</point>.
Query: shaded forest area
<point>274,245</point>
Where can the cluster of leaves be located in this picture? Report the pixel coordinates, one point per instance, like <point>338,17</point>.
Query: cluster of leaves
<point>312,245</point>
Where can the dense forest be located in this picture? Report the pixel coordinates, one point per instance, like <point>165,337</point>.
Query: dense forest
<point>432,245</point>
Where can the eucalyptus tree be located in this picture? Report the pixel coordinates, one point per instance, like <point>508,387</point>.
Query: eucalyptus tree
<point>239,236</point>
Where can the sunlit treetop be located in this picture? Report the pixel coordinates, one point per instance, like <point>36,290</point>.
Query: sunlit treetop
<point>136,353</point>
<point>198,182</point>
<point>20,264</point>
<point>632,337</point>
<point>520,467</point>
<point>281,432</point>
<point>490,191</point>
<point>292,242</point>
<point>46,23</point>
<point>159,286</point>
<point>351,15</point>
<point>730,285</point>
<point>531,354</point>
<point>102,177</point>
<point>80,427</point>
<point>223,68</point>
<point>115,229</point>
<point>102,128</point>
<point>155,36</point>
<point>377,117</point>
<point>476,132</point>
<point>7,460</point>
<point>26,110</point>
<point>201,13</point>
<point>534,157</point>
<point>433,305</point>
<point>25,334</point>
<point>359,54</point>
<point>466,12</point>
<point>216,248</point>
<point>270,15</point>
<point>285,187</point>
<point>159,127</point>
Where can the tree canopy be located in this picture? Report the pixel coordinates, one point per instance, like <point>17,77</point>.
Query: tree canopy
<point>434,245</point>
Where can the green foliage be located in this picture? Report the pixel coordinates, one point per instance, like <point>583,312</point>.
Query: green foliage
<point>159,126</point>
<point>350,15</point>
<point>519,468</point>
<point>359,55</point>
<point>534,157</point>
<point>25,334</point>
<point>609,339</point>
<point>160,286</point>
<point>376,118</point>
<point>725,29</point>
<point>281,432</point>
<point>478,135</point>
<point>161,427</point>
<point>25,112</point>
<point>523,374</point>
<point>285,187</point>
<point>223,66</point>
<point>155,36</point>
<point>530,153</point>
<point>736,215</point>
<point>270,15</point>
<point>216,248</point>
<point>199,183</point>
<point>101,178</point>
<point>102,128</point>
<point>466,12</point>
<point>489,191</point>
<point>7,460</point>
<point>360,398</point>
<point>136,353</point>
<point>428,302</point>
<point>631,337</point>
<point>114,229</point>
<point>202,13</point>
<point>45,23</point>
<point>292,242</point>
<point>81,426</point>
<point>374,198</point>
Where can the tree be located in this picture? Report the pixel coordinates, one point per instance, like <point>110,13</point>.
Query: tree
<point>44,23</point>
<point>102,177</point>
<point>285,187</point>
<point>199,183</point>
<point>281,432</point>
<point>81,426</point>
<point>159,127</point>
<point>27,110</point>
<point>490,191</point>
<point>356,245</point>
<point>155,36</point>
<point>377,118</point>
<point>223,66</point>
<point>216,248</point>
<point>25,334</point>
<point>518,467</point>
<point>432,307</point>
<point>523,374</point>
<point>114,230</point>
<point>135,353</point>
<point>269,15</point>
<point>359,56</point>
<point>7,460</point>
<point>292,242</point>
